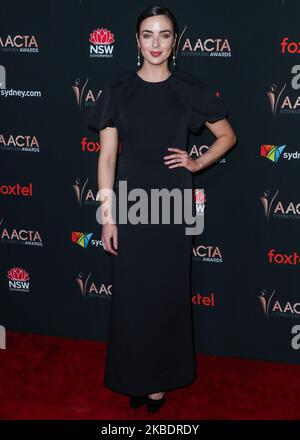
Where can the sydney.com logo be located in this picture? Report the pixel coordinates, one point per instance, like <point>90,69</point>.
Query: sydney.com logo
<point>274,152</point>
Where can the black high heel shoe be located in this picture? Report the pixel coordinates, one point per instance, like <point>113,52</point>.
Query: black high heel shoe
<point>137,401</point>
<point>154,405</point>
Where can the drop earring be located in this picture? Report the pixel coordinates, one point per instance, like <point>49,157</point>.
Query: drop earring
<point>138,57</point>
<point>174,58</point>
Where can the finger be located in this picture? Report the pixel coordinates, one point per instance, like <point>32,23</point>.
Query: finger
<point>113,252</point>
<point>170,156</point>
<point>172,161</point>
<point>179,150</point>
<point>115,238</point>
<point>105,244</point>
<point>110,248</point>
<point>177,165</point>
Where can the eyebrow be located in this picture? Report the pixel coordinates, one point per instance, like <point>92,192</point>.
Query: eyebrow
<point>165,30</point>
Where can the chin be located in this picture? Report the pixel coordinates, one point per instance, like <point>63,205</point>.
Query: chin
<point>158,60</point>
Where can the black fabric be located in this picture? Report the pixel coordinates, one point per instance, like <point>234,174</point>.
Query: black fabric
<point>200,98</point>
<point>150,339</point>
<point>102,115</point>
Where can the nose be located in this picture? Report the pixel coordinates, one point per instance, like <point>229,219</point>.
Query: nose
<point>155,42</point>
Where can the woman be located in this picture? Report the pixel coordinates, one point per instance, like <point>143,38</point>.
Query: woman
<point>151,110</point>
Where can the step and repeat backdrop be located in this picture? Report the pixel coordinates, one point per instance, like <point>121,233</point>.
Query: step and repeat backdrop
<point>55,276</point>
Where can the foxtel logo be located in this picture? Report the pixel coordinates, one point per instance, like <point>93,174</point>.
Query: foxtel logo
<point>16,190</point>
<point>204,300</point>
<point>291,47</point>
<point>92,147</point>
<point>292,259</point>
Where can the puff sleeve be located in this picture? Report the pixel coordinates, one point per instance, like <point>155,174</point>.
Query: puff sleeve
<point>205,105</point>
<point>102,114</point>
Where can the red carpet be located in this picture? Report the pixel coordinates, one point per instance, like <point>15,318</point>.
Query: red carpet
<point>46,377</point>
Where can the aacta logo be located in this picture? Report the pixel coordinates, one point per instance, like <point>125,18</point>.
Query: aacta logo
<point>19,43</point>
<point>19,143</point>
<point>16,190</point>
<point>272,307</point>
<point>285,103</point>
<point>92,289</point>
<point>83,95</point>
<point>204,300</point>
<point>287,210</point>
<point>196,151</point>
<point>101,43</point>
<point>285,259</point>
<point>210,254</point>
<point>84,194</point>
<point>18,280</point>
<point>22,236</point>
<point>291,47</point>
<point>211,47</point>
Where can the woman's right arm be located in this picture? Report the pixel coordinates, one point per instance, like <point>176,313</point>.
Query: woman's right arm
<point>106,178</point>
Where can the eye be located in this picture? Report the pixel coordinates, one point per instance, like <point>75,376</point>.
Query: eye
<point>146,35</point>
<point>166,35</point>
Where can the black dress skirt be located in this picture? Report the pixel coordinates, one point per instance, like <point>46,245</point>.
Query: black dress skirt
<point>150,335</point>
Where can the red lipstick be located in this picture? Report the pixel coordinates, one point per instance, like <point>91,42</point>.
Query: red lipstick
<point>155,54</point>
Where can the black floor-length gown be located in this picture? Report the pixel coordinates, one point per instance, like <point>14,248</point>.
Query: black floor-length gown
<point>150,341</point>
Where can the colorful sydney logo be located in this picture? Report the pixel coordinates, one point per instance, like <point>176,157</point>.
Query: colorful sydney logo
<point>271,152</point>
<point>81,238</point>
